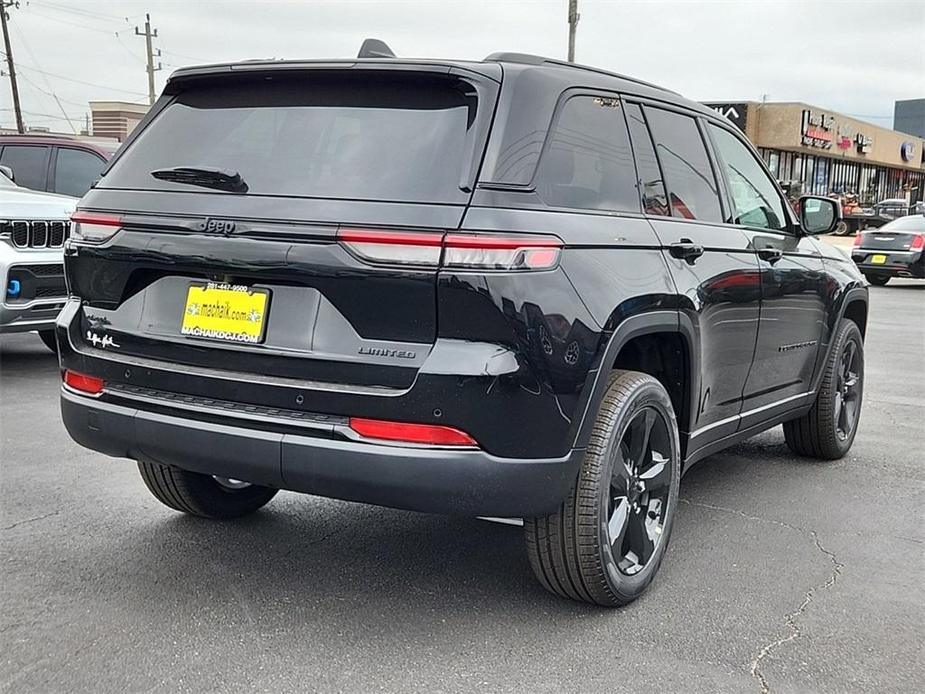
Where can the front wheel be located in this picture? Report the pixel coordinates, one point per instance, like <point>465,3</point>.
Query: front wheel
<point>878,280</point>
<point>606,541</point>
<point>841,229</point>
<point>828,429</point>
<point>218,498</point>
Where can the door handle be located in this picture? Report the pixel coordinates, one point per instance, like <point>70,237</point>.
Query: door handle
<point>771,255</point>
<point>685,249</point>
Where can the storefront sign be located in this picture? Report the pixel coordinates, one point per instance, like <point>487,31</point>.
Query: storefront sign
<point>818,130</point>
<point>907,151</point>
<point>863,142</point>
<point>737,113</point>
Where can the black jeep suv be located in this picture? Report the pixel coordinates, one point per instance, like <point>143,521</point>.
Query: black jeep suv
<point>510,288</point>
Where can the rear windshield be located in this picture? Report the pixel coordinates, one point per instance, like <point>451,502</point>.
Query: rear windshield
<point>915,223</point>
<point>349,137</point>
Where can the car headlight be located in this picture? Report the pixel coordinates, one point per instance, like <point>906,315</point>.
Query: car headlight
<point>93,227</point>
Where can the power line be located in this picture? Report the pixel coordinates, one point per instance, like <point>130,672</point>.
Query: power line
<point>22,38</point>
<point>49,18</point>
<point>98,16</point>
<point>71,79</point>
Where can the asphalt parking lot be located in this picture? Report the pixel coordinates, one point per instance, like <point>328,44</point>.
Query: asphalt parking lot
<point>783,573</point>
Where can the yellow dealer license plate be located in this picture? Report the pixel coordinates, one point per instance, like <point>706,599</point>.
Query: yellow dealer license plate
<point>878,259</point>
<point>231,313</point>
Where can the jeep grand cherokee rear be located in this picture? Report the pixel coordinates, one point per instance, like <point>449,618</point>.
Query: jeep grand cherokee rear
<point>268,288</point>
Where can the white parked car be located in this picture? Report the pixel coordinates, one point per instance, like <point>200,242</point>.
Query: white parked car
<point>33,228</point>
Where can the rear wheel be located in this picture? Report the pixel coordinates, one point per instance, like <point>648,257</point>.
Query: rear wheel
<point>878,280</point>
<point>203,495</point>
<point>606,541</point>
<point>841,229</point>
<point>827,430</point>
<point>48,337</point>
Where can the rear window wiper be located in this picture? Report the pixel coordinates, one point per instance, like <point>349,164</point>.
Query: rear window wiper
<point>204,176</point>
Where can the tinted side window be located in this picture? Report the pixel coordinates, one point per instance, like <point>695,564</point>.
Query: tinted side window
<point>29,164</point>
<point>651,185</point>
<point>588,163</point>
<point>754,195</point>
<point>692,191</point>
<point>75,171</point>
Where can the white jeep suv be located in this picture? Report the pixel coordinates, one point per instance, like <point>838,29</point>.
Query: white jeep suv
<point>33,227</point>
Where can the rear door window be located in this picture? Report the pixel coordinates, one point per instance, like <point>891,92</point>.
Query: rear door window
<point>651,185</point>
<point>588,163</point>
<point>29,164</point>
<point>75,171</point>
<point>692,189</point>
<point>350,137</point>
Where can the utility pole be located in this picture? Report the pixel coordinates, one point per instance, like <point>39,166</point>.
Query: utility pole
<point>9,61</point>
<point>573,17</point>
<point>148,34</point>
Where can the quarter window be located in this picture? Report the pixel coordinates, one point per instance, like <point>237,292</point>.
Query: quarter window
<point>588,163</point>
<point>755,198</point>
<point>692,190</point>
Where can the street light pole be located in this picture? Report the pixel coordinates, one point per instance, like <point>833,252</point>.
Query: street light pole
<point>572,25</point>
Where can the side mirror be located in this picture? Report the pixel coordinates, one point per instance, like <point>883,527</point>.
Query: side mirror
<point>819,215</point>
<point>8,172</point>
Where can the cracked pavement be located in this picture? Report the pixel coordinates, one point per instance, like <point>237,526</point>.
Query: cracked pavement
<point>783,575</point>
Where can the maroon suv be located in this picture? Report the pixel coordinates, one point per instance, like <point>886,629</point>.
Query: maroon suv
<point>55,164</point>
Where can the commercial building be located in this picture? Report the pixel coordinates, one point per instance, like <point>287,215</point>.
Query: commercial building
<point>826,152</point>
<point>909,116</point>
<point>116,119</point>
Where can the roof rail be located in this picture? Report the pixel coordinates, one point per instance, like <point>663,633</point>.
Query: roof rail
<point>528,59</point>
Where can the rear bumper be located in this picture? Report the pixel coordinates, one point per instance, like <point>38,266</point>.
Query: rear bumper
<point>437,480</point>
<point>897,263</point>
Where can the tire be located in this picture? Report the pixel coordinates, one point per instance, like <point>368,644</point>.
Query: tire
<point>48,337</point>
<point>878,280</point>
<point>571,550</point>
<point>202,495</point>
<point>828,429</point>
<point>841,229</point>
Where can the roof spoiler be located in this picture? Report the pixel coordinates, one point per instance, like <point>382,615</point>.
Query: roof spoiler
<point>374,48</point>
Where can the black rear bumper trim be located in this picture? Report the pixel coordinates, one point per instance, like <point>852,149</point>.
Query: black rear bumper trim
<point>459,482</point>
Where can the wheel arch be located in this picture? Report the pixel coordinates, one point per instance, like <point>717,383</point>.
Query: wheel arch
<point>630,346</point>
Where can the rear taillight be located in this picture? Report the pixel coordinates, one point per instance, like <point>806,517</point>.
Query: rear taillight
<point>464,251</point>
<point>91,385</point>
<point>857,240</point>
<point>94,227</point>
<point>393,247</point>
<point>485,252</point>
<point>428,434</point>
<point>918,243</point>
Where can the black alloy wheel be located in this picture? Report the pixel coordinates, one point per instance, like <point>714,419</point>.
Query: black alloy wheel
<point>848,391</point>
<point>828,429</point>
<point>639,489</point>
<point>606,541</point>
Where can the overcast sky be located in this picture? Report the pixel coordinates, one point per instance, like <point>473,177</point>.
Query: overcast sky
<point>852,57</point>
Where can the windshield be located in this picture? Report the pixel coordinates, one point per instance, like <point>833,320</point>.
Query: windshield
<point>349,137</point>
